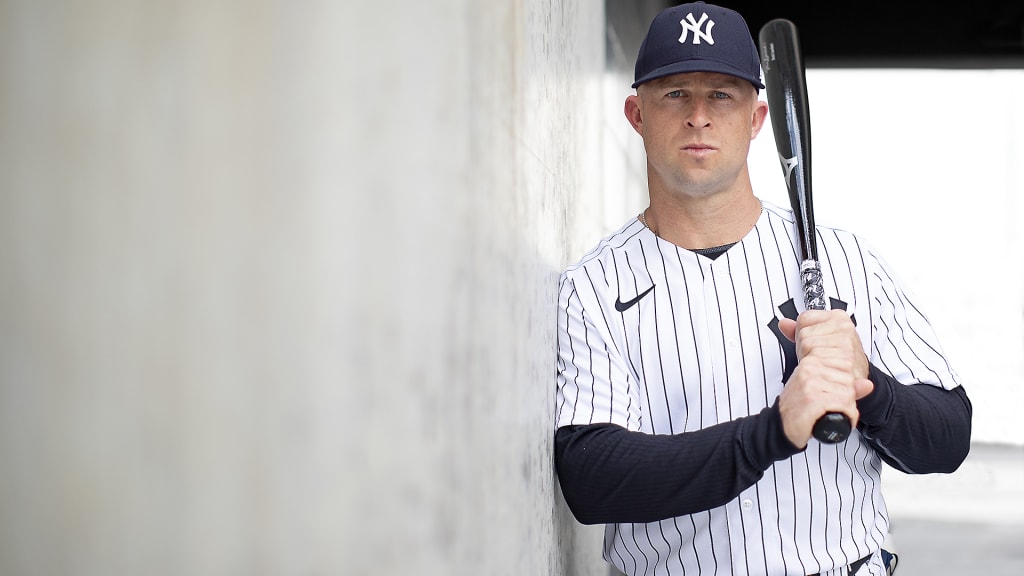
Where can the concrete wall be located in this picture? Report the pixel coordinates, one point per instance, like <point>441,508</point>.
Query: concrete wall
<point>278,282</point>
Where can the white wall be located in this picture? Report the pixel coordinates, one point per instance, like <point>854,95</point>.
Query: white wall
<point>926,165</point>
<point>278,283</point>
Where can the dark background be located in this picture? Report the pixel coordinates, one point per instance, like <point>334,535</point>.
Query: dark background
<point>973,34</point>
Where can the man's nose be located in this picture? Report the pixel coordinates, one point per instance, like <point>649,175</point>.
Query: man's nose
<point>697,114</point>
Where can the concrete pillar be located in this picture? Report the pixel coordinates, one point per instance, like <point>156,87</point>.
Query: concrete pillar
<point>278,282</point>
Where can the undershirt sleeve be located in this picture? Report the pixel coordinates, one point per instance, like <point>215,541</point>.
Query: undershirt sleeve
<point>916,428</point>
<point>609,474</point>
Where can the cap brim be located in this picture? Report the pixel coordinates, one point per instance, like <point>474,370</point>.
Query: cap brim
<point>697,65</point>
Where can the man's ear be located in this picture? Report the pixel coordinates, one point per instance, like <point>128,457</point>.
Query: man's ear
<point>757,122</point>
<point>632,111</point>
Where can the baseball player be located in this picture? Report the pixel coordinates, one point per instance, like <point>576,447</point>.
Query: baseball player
<point>689,377</point>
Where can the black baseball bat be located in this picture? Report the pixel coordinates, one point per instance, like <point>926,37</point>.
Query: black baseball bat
<point>786,88</point>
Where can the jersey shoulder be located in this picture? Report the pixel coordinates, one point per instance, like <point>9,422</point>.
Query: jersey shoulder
<point>824,227</point>
<point>622,239</point>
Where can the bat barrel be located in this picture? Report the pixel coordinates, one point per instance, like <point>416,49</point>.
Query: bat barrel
<point>789,109</point>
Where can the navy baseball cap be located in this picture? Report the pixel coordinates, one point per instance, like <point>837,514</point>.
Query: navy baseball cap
<point>698,37</point>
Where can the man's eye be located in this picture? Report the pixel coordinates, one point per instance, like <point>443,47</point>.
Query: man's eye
<point>721,95</point>
<point>674,94</point>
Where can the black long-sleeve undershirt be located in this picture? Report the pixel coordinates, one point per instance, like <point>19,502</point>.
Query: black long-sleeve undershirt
<point>609,474</point>
<point>919,429</point>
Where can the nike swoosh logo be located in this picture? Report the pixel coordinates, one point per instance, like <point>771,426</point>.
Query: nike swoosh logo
<point>623,306</point>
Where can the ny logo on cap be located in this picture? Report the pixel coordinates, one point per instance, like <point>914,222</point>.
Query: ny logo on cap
<point>691,25</point>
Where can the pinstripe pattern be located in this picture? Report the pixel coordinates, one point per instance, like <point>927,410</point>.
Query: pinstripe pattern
<point>698,350</point>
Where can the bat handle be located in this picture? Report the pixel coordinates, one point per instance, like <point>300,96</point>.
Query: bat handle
<point>814,291</point>
<point>833,427</point>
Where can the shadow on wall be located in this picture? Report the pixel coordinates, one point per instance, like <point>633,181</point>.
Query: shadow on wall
<point>627,23</point>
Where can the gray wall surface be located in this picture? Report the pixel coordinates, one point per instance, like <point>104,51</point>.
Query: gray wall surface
<point>278,283</point>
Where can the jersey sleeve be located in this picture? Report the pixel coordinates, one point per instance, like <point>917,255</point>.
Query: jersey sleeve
<point>903,342</point>
<point>592,377</point>
<point>918,417</point>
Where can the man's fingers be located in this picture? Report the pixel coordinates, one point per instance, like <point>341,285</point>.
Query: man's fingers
<point>824,324</point>
<point>817,386</point>
<point>822,330</point>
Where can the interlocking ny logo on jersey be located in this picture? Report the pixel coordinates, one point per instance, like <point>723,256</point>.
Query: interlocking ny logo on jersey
<point>788,309</point>
<point>691,25</point>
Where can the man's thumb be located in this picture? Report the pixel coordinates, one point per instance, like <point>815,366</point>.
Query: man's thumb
<point>788,328</point>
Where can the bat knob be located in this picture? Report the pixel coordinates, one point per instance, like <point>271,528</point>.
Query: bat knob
<point>832,428</point>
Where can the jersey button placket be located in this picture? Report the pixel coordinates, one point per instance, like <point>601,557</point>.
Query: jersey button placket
<point>714,345</point>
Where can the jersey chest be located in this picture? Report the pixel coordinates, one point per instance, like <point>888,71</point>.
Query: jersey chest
<point>704,351</point>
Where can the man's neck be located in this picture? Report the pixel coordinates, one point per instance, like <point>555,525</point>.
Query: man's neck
<point>696,223</point>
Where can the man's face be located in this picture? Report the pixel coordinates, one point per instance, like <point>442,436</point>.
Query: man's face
<point>697,129</point>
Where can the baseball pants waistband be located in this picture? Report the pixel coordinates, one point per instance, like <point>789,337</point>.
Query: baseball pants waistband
<point>854,566</point>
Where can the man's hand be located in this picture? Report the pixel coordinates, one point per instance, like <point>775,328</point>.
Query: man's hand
<point>832,373</point>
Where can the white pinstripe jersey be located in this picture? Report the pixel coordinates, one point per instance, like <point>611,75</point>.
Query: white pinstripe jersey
<point>700,349</point>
